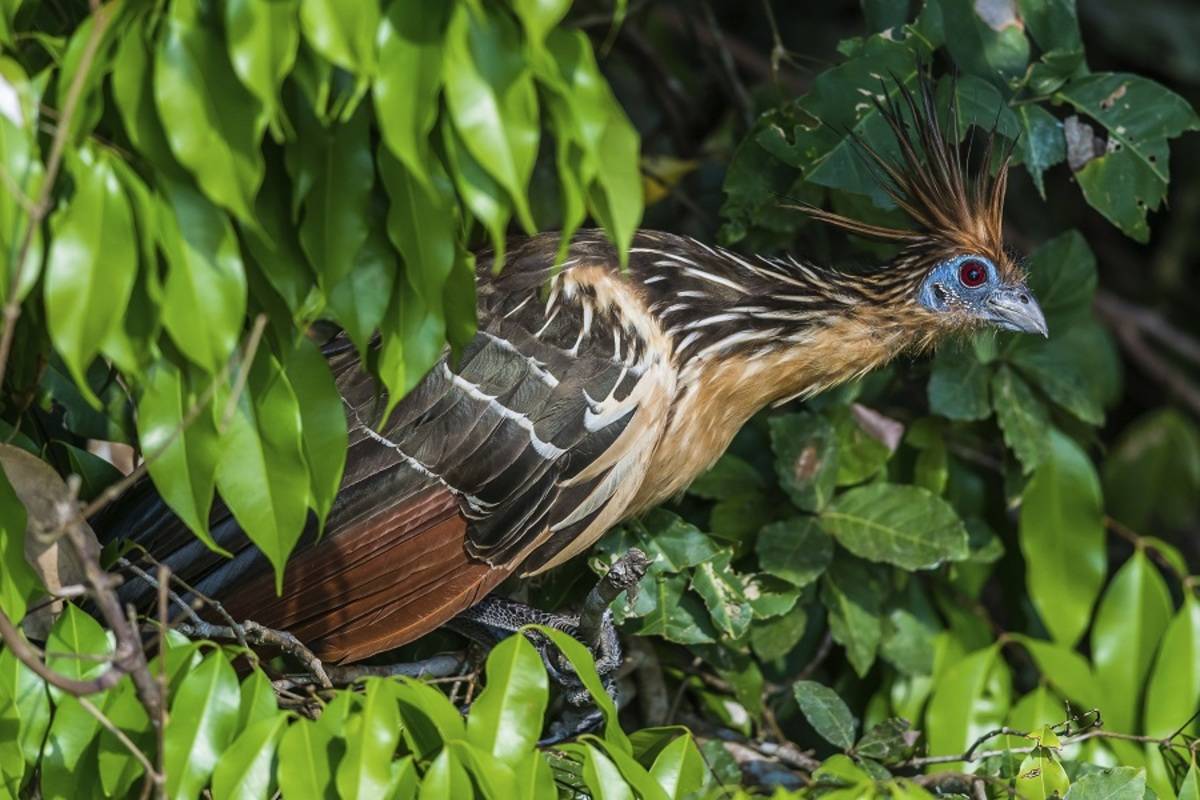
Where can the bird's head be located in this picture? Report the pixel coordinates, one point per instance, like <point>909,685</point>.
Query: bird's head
<point>952,268</point>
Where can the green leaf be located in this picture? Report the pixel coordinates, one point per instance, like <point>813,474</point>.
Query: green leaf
<point>263,39</point>
<point>1139,116</point>
<point>1117,783</point>
<point>483,195</point>
<point>371,738</point>
<point>1062,273</point>
<point>72,649</point>
<point>805,458</point>
<point>666,608</point>
<point>1173,691</point>
<point>1076,368</point>
<point>423,224</point>
<point>202,723</point>
<point>1068,672</point>
<point>18,583</point>
<point>446,779</point>
<point>1130,620</point>
<point>492,100</point>
<point>204,270</point>
<point>194,81</point>
<point>1022,417</point>
<point>1042,143</point>
<point>827,713</point>
<point>679,768</point>
<point>603,778</point>
<point>1062,539</point>
<point>724,594</point>
<point>182,460</point>
<point>305,763</point>
<point>244,771</point>
<point>796,550</point>
<point>409,80</point>
<point>274,245</point>
<point>20,160</point>
<point>262,474</point>
<point>1152,472</point>
<point>429,718</point>
<point>91,265</point>
<point>539,17</point>
<point>969,698</point>
<point>1190,788</point>
<point>986,39</point>
<point>506,719</point>
<point>413,336</point>
<point>360,300</point>
<point>342,32</point>
<point>958,387</point>
<point>335,222</point>
<point>1041,776</point>
<point>729,477</point>
<point>903,525</point>
<point>585,669</point>
<point>118,769</point>
<point>890,740</point>
<point>322,423</point>
<point>861,454</point>
<point>24,719</point>
<point>257,700</point>
<point>854,595</point>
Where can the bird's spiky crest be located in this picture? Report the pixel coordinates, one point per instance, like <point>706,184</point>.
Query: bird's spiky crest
<point>954,211</point>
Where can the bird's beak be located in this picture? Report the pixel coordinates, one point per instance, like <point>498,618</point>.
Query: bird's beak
<point>1014,308</point>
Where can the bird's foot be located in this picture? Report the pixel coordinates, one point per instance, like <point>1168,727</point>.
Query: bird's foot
<point>495,618</point>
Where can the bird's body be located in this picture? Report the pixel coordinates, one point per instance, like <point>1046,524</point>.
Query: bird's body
<point>591,392</point>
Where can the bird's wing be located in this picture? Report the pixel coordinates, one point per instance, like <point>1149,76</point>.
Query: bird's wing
<point>515,456</point>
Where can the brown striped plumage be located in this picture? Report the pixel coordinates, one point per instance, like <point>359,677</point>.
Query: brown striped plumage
<point>590,393</point>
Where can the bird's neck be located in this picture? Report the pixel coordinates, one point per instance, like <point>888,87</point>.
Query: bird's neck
<point>749,332</point>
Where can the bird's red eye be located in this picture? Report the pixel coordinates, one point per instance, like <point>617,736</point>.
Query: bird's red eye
<point>973,274</point>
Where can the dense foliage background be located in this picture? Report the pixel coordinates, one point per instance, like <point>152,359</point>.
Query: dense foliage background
<point>971,573</point>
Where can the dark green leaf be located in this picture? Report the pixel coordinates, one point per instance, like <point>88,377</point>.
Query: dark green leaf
<point>359,302</point>
<point>1022,417</point>
<point>853,593</point>
<point>1152,472</point>
<point>903,525</point>
<point>827,713</point>
<point>339,164</point>
<point>24,718</point>
<point>805,458</point>
<point>1042,143</point>
<point>724,594</point>
<point>986,39</point>
<point>1139,116</point>
<point>958,387</point>
<point>423,224</point>
<point>729,477</point>
<point>796,550</point>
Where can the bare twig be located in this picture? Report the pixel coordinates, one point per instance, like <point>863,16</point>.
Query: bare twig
<point>253,633</point>
<point>741,97</point>
<point>133,749</point>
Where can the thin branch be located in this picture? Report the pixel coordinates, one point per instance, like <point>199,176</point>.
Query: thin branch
<point>133,749</point>
<point>1131,326</point>
<point>28,655</point>
<point>253,633</point>
<point>12,306</point>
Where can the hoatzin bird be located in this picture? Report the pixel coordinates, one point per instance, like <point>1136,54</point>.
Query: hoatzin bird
<point>592,393</point>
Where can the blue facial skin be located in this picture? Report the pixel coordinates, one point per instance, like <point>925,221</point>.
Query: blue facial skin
<point>1010,307</point>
